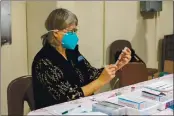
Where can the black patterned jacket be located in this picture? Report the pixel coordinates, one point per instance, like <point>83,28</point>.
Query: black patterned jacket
<point>57,80</point>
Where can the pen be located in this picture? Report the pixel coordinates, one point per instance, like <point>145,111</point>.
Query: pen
<point>161,86</point>
<point>167,87</point>
<point>115,94</point>
<point>65,112</point>
<point>112,95</point>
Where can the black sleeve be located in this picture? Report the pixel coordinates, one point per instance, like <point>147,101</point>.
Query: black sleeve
<point>93,72</point>
<point>52,78</point>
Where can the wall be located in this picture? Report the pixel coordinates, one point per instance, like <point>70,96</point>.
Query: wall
<point>37,12</point>
<point>14,56</point>
<point>126,22</point>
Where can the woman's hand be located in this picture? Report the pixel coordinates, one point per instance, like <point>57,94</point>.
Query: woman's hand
<point>108,74</point>
<point>124,58</point>
<point>109,71</point>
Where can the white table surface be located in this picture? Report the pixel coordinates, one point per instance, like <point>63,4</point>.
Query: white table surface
<point>87,102</point>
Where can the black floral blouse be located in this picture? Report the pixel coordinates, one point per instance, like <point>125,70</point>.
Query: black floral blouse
<point>57,80</point>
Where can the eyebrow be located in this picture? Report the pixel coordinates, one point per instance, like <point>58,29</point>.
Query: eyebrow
<point>74,30</point>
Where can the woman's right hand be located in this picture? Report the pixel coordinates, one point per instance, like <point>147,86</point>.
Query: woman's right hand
<point>108,74</point>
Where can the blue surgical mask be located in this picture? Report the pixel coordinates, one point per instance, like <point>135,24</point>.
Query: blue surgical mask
<point>70,40</point>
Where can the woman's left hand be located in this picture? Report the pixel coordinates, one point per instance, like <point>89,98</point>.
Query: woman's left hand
<point>124,58</point>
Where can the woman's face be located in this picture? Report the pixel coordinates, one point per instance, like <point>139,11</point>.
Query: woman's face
<point>60,33</point>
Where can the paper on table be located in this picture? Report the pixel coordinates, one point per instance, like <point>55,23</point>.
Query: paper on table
<point>85,108</point>
<point>161,86</point>
<point>39,113</point>
<point>165,112</point>
<point>88,113</point>
<point>59,109</point>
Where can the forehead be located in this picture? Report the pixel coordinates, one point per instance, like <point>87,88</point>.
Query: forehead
<point>70,28</point>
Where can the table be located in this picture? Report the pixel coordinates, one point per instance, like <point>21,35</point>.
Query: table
<point>87,102</point>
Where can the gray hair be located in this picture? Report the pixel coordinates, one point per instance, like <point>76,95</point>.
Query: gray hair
<point>58,19</point>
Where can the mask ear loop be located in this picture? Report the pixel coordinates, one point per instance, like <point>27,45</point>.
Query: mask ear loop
<point>54,30</point>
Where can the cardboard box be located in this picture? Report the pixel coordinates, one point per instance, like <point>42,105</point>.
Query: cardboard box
<point>169,66</point>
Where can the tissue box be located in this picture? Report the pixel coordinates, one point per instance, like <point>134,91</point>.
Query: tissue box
<point>132,102</point>
<point>109,108</point>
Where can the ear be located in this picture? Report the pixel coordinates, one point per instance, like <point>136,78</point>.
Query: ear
<point>56,34</point>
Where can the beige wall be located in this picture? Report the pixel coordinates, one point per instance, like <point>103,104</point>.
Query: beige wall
<point>123,21</point>
<point>37,11</point>
<point>14,56</point>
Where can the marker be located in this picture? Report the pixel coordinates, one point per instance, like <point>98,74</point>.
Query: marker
<point>67,111</point>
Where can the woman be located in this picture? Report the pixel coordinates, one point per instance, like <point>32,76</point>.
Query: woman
<point>60,72</point>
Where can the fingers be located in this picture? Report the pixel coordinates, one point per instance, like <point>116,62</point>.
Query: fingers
<point>126,50</point>
<point>112,66</point>
<point>126,58</point>
<point>124,61</point>
<point>112,74</point>
<point>111,70</point>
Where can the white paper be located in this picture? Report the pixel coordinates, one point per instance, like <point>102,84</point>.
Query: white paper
<point>88,113</point>
<point>164,112</point>
<point>161,86</point>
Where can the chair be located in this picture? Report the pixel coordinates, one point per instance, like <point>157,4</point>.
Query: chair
<point>168,54</point>
<point>119,45</point>
<point>18,91</point>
